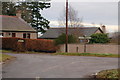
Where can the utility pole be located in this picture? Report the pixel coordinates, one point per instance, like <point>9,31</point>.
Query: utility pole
<point>66,45</point>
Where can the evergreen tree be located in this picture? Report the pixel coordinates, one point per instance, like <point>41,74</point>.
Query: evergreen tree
<point>37,19</point>
<point>8,8</point>
<point>99,38</point>
<point>62,39</point>
<point>30,12</point>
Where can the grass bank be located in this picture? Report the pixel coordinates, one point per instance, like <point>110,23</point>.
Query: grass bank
<point>4,57</point>
<point>109,74</point>
<point>67,54</point>
<point>88,54</point>
<point>27,52</point>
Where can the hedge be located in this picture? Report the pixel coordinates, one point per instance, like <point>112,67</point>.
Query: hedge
<point>21,44</point>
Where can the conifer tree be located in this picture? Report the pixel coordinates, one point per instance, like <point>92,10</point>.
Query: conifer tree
<point>30,12</point>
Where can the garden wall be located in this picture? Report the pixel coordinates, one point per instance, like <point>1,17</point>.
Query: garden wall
<point>91,48</point>
<point>21,44</point>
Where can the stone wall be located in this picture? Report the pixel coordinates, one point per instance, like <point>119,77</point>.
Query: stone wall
<point>91,48</point>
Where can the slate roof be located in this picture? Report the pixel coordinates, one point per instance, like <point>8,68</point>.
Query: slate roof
<point>13,23</point>
<point>55,32</point>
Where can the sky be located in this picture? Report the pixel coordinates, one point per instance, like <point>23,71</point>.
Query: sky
<point>94,11</point>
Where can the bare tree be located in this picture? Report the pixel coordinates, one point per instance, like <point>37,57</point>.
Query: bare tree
<point>73,19</point>
<point>74,22</point>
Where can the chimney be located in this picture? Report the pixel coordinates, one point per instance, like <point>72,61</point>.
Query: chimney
<point>18,13</point>
<point>103,28</point>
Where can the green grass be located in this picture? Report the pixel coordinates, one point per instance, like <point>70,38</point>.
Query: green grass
<point>6,51</point>
<point>4,57</point>
<point>67,54</point>
<point>27,52</point>
<point>113,73</point>
<point>88,54</point>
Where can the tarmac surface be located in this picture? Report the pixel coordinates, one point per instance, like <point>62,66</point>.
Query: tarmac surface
<point>56,66</point>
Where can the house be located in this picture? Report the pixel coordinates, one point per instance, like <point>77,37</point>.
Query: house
<point>15,26</point>
<point>115,37</point>
<point>53,33</point>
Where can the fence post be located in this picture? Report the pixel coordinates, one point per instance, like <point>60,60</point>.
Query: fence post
<point>85,47</point>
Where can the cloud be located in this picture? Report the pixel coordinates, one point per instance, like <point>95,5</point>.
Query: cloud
<point>86,0</point>
<point>109,28</point>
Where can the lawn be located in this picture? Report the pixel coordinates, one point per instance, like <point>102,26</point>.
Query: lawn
<point>88,54</point>
<point>113,73</point>
<point>27,52</point>
<point>6,51</point>
<point>67,54</point>
<point>4,57</point>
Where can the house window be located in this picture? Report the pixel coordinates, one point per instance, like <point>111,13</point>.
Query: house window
<point>28,35</point>
<point>13,35</point>
<point>9,34</point>
<point>24,35</point>
<point>1,34</point>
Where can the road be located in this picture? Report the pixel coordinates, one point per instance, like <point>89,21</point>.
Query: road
<point>56,66</point>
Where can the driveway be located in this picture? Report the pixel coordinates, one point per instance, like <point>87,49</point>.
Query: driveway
<point>49,66</point>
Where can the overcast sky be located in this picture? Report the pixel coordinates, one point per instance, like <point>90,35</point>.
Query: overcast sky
<point>96,11</point>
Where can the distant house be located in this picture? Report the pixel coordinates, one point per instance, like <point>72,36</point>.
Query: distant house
<point>115,37</point>
<point>15,26</point>
<point>53,33</point>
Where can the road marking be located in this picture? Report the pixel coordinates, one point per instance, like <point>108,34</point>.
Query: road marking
<point>37,78</point>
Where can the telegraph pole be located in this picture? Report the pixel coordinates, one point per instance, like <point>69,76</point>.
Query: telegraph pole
<point>66,45</point>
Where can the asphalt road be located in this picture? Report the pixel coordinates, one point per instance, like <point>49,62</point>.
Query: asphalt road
<point>48,66</point>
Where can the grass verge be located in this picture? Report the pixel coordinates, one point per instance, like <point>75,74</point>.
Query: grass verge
<point>67,54</point>
<point>4,57</point>
<point>88,54</point>
<point>6,51</point>
<point>113,73</point>
<point>27,52</point>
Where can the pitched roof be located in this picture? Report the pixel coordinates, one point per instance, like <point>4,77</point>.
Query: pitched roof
<point>55,32</point>
<point>13,23</point>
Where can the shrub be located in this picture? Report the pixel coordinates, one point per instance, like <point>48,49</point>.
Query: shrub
<point>99,38</point>
<point>111,74</point>
<point>40,45</point>
<point>62,39</point>
<point>28,44</point>
<point>9,43</point>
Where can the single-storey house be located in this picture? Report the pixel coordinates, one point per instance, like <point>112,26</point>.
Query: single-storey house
<point>53,33</point>
<point>15,26</point>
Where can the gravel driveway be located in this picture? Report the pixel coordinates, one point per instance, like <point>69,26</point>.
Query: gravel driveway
<point>49,66</point>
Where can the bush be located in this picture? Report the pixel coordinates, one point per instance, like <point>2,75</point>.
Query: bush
<point>41,45</point>
<point>111,74</point>
<point>99,38</point>
<point>62,39</point>
<point>9,43</point>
